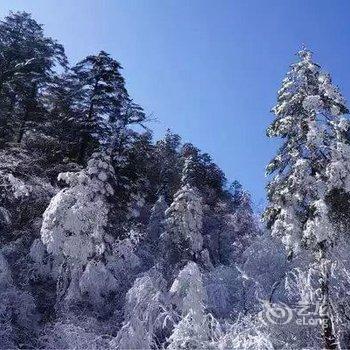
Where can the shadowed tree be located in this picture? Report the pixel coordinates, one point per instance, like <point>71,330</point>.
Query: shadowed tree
<point>28,61</point>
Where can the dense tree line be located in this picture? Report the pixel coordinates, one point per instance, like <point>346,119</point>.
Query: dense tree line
<point>112,240</point>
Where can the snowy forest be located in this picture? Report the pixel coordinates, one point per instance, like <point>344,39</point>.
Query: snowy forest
<point>113,240</point>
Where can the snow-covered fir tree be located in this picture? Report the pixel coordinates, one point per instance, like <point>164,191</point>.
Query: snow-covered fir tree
<point>146,314</point>
<point>307,169</point>
<point>184,220</point>
<point>27,66</point>
<point>73,230</point>
<point>103,106</point>
<point>188,295</point>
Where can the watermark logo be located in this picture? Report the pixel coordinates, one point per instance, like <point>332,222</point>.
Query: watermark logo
<point>275,314</point>
<point>301,314</point>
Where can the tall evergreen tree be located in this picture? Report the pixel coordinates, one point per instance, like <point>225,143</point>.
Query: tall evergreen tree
<point>184,221</point>
<point>73,228</point>
<point>307,111</point>
<point>27,65</point>
<point>104,107</point>
<point>206,175</point>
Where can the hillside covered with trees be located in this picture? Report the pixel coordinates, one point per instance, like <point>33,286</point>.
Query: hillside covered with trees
<point>112,240</point>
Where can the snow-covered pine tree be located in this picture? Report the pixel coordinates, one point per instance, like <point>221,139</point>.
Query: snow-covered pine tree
<point>206,176</point>
<point>145,314</point>
<point>73,230</point>
<point>243,220</point>
<point>184,220</point>
<point>193,331</point>
<point>308,109</point>
<point>103,105</point>
<point>27,66</point>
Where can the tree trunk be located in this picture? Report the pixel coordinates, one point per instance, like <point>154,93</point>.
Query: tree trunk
<point>328,334</point>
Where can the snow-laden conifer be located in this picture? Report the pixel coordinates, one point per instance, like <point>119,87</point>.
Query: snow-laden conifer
<point>146,314</point>
<point>308,109</point>
<point>306,169</point>
<point>188,295</point>
<point>184,220</point>
<point>73,228</point>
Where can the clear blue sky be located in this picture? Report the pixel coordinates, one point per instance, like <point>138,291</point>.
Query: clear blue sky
<point>207,69</point>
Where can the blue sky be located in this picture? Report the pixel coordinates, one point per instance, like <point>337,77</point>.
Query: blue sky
<point>209,70</point>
